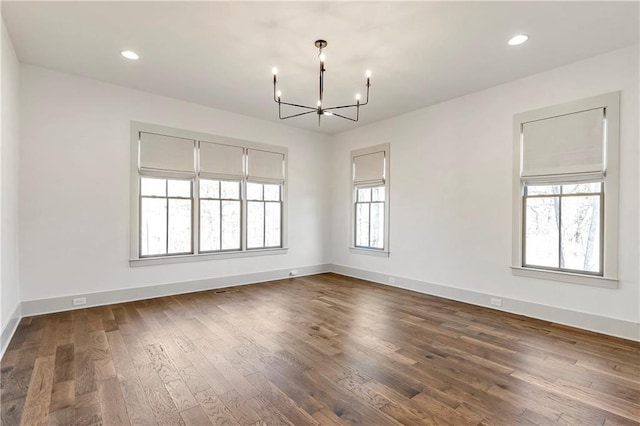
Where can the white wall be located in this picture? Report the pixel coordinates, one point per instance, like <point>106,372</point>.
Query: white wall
<point>9,284</point>
<point>451,182</point>
<point>74,176</point>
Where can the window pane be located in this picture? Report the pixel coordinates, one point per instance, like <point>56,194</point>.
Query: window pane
<point>364,194</point>
<point>542,189</point>
<point>153,226</point>
<point>377,225</point>
<point>272,192</point>
<point>581,188</point>
<point>230,225</point>
<point>153,187</point>
<point>209,188</point>
<point>254,191</point>
<point>255,224</point>
<point>180,188</point>
<point>179,226</point>
<point>230,190</point>
<point>541,237</point>
<point>581,233</point>
<point>209,225</point>
<point>362,225</point>
<point>272,224</point>
<point>377,194</point>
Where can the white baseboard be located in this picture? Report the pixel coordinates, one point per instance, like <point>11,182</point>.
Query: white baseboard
<point>10,328</point>
<point>58,304</point>
<point>611,326</point>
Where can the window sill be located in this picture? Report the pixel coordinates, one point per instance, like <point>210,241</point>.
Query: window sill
<point>566,277</point>
<point>164,260</point>
<point>369,252</point>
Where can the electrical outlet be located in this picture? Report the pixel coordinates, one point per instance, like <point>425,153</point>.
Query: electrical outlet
<point>392,280</point>
<point>496,302</point>
<point>293,272</point>
<point>79,301</point>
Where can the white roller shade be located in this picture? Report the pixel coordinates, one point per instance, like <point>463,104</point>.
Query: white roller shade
<point>565,147</point>
<point>369,168</point>
<point>220,161</point>
<point>166,153</point>
<point>265,165</point>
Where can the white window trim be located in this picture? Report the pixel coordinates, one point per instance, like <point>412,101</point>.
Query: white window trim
<point>384,252</point>
<point>611,103</point>
<point>136,260</point>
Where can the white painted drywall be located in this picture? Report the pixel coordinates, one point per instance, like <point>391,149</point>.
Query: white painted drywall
<point>451,184</point>
<point>9,272</point>
<point>74,176</point>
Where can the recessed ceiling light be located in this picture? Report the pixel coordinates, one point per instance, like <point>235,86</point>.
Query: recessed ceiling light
<point>129,54</point>
<point>519,39</point>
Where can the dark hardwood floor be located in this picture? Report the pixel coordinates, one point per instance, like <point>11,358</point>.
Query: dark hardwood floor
<point>324,349</point>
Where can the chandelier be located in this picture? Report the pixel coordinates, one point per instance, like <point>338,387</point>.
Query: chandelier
<point>319,109</point>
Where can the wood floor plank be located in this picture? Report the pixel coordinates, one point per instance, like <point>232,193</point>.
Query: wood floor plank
<point>138,408</point>
<point>36,406</point>
<point>281,401</point>
<point>63,395</point>
<point>215,410</point>
<point>159,399</point>
<point>195,416</point>
<point>239,408</point>
<point>114,410</point>
<point>11,411</point>
<point>323,349</point>
<point>62,417</point>
<point>178,390</point>
<point>88,410</point>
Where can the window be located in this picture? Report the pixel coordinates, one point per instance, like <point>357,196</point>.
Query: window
<point>566,192</point>
<point>563,227</point>
<point>196,195</point>
<point>165,216</point>
<point>220,212</point>
<point>370,217</point>
<point>370,189</point>
<point>264,213</point>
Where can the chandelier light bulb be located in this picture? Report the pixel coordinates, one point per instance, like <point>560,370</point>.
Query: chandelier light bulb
<point>274,70</point>
<point>518,39</point>
<point>368,73</point>
<point>319,103</point>
<point>357,96</point>
<point>129,54</point>
<point>322,57</point>
<point>279,93</point>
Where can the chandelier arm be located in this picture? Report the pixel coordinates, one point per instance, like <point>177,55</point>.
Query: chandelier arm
<point>368,85</point>
<point>296,105</point>
<point>275,87</point>
<point>346,118</point>
<point>295,115</point>
<point>342,106</point>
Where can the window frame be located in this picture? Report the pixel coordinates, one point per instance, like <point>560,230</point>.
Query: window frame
<point>166,197</point>
<point>196,254</point>
<point>560,197</point>
<point>609,198</point>
<point>219,200</point>
<point>264,207</point>
<point>386,183</point>
<point>356,202</point>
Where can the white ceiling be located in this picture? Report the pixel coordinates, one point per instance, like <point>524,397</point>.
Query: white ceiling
<point>220,54</point>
